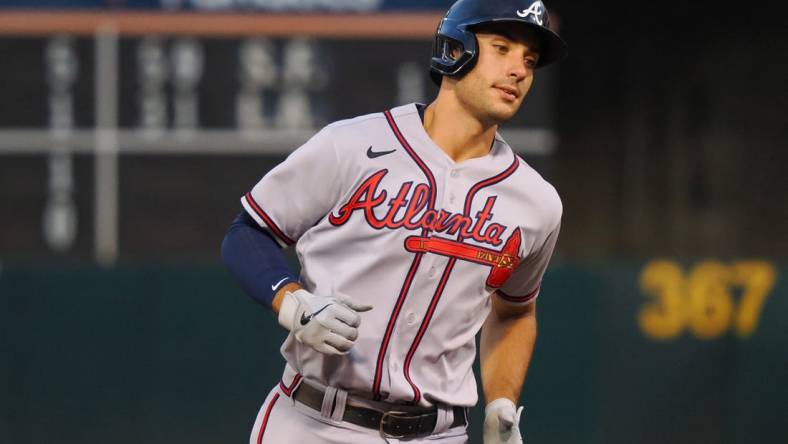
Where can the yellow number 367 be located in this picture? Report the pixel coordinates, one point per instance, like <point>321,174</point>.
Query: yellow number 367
<point>704,300</point>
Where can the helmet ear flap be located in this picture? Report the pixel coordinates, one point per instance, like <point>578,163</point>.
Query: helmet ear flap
<point>453,52</point>
<point>446,53</point>
<point>448,50</point>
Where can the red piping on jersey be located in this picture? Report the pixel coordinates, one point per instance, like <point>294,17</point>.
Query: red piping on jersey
<point>423,328</point>
<point>289,389</point>
<point>265,419</point>
<point>413,267</point>
<point>267,219</point>
<point>487,182</point>
<point>518,299</point>
<point>390,327</point>
<point>446,272</point>
<point>413,155</point>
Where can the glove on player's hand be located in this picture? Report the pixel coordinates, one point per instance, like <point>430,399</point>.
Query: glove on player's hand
<point>327,324</point>
<point>502,422</point>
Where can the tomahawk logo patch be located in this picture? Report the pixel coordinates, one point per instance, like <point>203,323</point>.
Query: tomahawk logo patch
<point>536,10</point>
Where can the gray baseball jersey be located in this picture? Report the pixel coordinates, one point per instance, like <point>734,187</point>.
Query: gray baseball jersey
<point>381,214</point>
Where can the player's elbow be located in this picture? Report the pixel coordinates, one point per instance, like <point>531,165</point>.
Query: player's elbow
<point>230,243</point>
<point>228,246</point>
<point>225,246</point>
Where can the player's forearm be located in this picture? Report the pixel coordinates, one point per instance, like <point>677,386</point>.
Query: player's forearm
<point>507,343</point>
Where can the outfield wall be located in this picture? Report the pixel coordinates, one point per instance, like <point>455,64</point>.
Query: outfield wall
<point>164,354</point>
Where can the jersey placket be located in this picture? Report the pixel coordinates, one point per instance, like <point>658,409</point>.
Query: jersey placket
<point>451,186</point>
<point>387,360</point>
<point>436,281</point>
<point>416,305</point>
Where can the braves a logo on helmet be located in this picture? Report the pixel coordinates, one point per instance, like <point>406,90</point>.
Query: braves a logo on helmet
<point>537,10</point>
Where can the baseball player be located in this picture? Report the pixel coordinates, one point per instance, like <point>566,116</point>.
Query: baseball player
<point>416,228</point>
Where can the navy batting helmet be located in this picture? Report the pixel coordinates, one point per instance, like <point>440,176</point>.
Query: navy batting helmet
<point>454,33</point>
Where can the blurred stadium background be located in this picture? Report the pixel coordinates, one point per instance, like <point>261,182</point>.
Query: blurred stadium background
<point>130,128</point>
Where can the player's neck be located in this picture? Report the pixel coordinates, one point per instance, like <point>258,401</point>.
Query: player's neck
<point>460,135</point>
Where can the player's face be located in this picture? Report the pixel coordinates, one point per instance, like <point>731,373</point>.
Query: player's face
<point>495,88</point>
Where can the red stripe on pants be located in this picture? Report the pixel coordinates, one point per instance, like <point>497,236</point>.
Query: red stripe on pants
<point>265,418</point>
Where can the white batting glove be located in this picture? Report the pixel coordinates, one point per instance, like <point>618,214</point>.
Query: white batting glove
<point>502,422</point>
<point>327,324</point>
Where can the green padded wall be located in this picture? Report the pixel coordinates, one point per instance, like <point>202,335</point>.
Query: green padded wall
<point>176,354</point>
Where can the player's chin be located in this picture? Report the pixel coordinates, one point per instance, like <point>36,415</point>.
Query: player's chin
<point>501,112</point>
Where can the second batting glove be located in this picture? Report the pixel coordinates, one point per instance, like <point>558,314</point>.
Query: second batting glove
<point>327,324</point>
<point>502,422</point>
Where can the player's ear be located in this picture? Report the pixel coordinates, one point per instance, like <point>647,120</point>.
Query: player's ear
<point>455,51</point>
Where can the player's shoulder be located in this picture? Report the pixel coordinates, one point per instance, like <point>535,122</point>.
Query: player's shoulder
<point>349,134</point>
<point>546,194</point>
<point>357,123</point>
<point>538,191</point>
<point>366,123</point>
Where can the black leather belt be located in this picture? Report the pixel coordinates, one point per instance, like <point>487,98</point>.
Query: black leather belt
<point>397,422</point>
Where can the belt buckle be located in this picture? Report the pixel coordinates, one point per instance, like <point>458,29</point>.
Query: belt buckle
<point>384,422</point>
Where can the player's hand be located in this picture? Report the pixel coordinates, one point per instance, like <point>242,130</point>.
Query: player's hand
<point>502,422</point>
<point>327,324</point>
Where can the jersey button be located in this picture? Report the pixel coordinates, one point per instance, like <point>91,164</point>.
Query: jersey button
<point>411,318</point>
<point>454,173</point>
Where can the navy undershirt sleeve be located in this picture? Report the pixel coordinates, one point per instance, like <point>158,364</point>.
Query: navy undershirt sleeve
<point>255,259</point>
